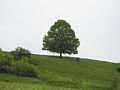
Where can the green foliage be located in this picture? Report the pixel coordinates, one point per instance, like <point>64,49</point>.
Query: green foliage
<point>23,68</point>
<point>61,39</point>
<point>4,64</point>
<point>9,56</point>
<point>118,69</point>
<point>5,61</point>
<point>20,53</point>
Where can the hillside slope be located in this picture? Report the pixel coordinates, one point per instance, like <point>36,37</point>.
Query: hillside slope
<point>65,74</point>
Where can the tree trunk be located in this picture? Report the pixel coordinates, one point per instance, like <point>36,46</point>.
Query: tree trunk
<point>60,54</point>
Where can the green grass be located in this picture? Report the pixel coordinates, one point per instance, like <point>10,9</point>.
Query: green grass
<point>65,74</point>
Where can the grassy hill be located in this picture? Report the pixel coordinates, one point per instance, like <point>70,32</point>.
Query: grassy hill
<point>65,74</point>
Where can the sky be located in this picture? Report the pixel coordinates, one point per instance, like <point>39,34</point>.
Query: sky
<point>96,23</point>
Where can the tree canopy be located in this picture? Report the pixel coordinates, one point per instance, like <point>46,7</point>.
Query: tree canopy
<point>61,39</point>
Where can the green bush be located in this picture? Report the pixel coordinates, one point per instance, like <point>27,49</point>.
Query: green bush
<point>23,68</point>
<point>118,69</point>
<point>5,62</point>
<point>20,53</point>
<point>9,56</point>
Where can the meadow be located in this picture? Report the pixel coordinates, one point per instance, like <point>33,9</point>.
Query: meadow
<point>66,73</point>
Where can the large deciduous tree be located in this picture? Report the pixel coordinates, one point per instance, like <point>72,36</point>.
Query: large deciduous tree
<point>61,39</point>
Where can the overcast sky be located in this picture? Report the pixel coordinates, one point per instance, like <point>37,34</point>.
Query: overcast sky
<point>96,24</point>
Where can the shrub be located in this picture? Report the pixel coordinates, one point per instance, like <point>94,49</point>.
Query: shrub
<point>20,53</point>
<point>118,69</point>
<point>5,62</point>
<point>23,68</point>
<point>9,56</point>
<point>77,59</point>
<point>25,59</point>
